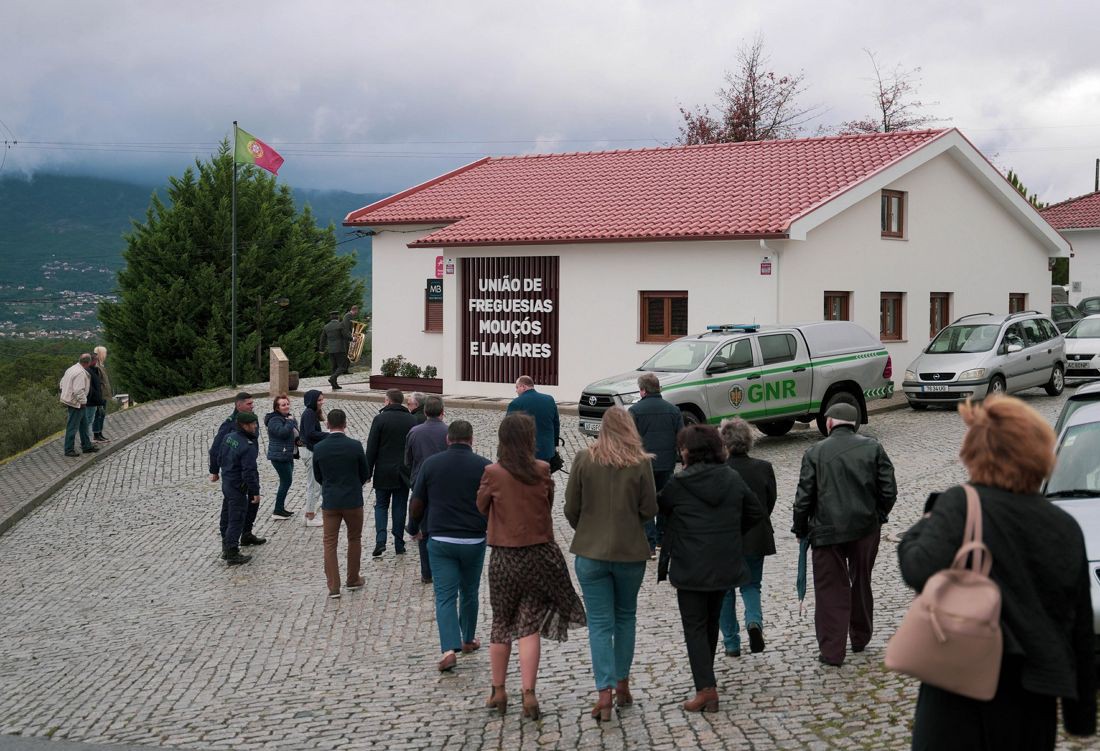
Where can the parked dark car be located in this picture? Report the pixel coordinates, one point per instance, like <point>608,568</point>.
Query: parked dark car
<point>1065,316</point>
<point>1089,306</point>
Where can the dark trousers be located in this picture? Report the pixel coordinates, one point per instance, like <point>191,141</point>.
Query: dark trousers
<point>74,426</point>
<point>425,559</point>
<point>383,499</point>
<point>238,516</point>
<point>285,470</point>
<point>337,364</point>
<point>699,612</point>
<point>456,587</point>
<point>842,590</point>
<point>353,518</point>
<point>655,527</point>
<point>1014,720</point>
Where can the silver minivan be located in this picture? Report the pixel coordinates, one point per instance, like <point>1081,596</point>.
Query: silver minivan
<point>982,354</point>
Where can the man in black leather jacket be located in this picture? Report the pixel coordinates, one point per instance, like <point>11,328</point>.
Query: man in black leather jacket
<point>845,493</point>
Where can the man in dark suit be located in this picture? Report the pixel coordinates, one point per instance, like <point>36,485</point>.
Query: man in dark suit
<point>658,424</point>
<point>340,466</point>
<point>386,464</point>
<point>544,409</point>
<point>336,346</point>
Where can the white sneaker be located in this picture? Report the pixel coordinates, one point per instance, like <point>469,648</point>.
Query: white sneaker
<point>316,521</point>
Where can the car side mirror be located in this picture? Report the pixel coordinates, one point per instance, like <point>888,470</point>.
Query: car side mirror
<point>716,367</point>
<point>1014,348</point>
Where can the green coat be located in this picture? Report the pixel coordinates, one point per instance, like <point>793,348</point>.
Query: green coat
<point>608,507</point>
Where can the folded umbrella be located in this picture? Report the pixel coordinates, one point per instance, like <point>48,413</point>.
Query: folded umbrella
<point>800,581</point>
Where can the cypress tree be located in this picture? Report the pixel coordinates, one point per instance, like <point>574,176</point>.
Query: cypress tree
<point>169,331</point>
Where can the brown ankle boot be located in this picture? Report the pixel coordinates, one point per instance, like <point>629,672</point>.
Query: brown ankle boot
<point>704,701</point>
<point>622,693</point>
<point>497,700</point>
<point>601,710</point>
<point>530,704</point>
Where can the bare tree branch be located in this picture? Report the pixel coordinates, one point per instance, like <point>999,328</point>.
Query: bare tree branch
<point>895,103</point>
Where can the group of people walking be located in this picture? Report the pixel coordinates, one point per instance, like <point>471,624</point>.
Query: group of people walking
<point>710,523</point>
<point>85,391</point>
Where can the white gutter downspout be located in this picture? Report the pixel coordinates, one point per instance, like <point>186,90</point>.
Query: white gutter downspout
<point>773,255</point>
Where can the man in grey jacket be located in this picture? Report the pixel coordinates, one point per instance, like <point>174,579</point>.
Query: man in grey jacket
<point>845,493</point>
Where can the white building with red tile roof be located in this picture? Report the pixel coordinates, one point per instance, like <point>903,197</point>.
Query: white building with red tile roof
<point>573,267</point>
<point>1078,219</point>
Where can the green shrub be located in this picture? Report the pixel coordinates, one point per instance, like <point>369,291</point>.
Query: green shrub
<point>430,371</point>
<point>408,370</point>
<point>392,365</point>
<point>31,412</point>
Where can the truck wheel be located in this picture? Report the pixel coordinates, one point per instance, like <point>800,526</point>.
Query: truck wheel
<point>690,418</point>
<point>1057,381</point>
<point>776,427</point>
<point>839,397</point>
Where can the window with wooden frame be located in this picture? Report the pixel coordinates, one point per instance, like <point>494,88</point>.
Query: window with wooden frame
<point>890,312</point>
<point>1017,302</point>
<point>837,306</point>
<point>893,214</point>
<point>433,306</point>
<point>939,312</point>
<point>663,316</point>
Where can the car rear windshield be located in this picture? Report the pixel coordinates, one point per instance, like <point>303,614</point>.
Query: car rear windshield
<point>1089,305</point>
<point>974,338</point>
<point>1086,328</point>
<point>679,357</point>
<point>1078,464</point>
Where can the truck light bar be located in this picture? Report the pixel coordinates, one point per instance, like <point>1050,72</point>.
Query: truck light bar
<point>747,327</point>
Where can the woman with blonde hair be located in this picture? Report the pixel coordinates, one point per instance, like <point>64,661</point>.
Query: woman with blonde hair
<point>1040,564</point>
<point>609,497</point>
<point>529,587</point>
<point>106,393</point>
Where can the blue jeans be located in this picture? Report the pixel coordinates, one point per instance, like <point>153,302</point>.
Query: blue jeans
<point>457,581</point>
<point>77,424</point>
<point>285,470</point>
<point>610,591</point>
<point>750,593</point>
<point>383,499</point>
<point>97,420</point>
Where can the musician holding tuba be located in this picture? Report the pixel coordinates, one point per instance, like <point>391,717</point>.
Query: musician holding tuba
<point>336,346</point>
<point>354,336</point>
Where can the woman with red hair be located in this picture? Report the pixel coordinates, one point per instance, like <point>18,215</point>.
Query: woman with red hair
<point>1039,562</point>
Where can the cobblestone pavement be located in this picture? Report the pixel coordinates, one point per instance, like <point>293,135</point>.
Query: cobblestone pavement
<point>121,625</point>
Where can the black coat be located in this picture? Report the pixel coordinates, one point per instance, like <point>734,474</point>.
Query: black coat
<point>1040,564</point>
<point>707,508</point>
<point>386,447</point>
<point>846,489</point>
<point>309,427</point>
<point>760,477</point>
<point>658,423</point>
<point>341,467</point>
<point>95,389</point>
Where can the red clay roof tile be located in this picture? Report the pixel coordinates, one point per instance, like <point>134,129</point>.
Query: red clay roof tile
<point>1082,212</point>
<point>738,190</point>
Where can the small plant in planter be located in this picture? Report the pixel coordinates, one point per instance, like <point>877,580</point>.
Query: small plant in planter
<point>408,370</point>
<point>430,371</point>
<point>391,366</point>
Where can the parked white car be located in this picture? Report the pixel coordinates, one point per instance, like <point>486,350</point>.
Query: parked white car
<point>1083,350</point>
<point>1075,487</point>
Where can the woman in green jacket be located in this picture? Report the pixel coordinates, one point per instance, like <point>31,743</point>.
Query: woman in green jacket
<point>609,497</point>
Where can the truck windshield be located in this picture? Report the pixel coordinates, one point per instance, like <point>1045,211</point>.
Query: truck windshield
<point>955,339</point>
<point>679,357</point>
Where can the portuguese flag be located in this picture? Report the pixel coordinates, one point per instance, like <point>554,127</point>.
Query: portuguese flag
<point>251,150</point>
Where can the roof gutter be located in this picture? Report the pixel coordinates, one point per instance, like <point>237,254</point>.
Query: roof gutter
<point>427,242</point>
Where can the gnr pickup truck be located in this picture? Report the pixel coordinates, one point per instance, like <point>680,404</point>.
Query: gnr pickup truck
<point>771,376</point>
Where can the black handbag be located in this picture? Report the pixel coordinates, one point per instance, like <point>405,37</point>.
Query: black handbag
<point>556,462</point>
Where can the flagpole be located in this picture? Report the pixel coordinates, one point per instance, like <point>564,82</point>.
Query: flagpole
<point>233,293</point>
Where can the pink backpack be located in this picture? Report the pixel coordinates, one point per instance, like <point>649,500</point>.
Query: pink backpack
<point>951,636</point>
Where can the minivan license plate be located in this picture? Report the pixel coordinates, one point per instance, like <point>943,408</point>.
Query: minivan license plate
<point>1078,364</point>
<point>937,387</point>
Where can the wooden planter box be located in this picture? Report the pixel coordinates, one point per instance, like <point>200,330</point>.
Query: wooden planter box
<point>408,385</point>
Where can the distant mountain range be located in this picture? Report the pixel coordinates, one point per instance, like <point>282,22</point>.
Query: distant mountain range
<point>63,233</point>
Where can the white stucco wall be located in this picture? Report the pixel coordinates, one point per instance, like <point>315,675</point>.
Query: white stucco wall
<point>598,305</point>
<point>958,240</point>
<point>398,277</point>
<point>1084,267</point>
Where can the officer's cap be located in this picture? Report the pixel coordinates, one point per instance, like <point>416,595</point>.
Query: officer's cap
<point>243,418</point>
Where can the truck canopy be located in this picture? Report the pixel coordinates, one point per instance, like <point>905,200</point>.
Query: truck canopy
<point>829,338</point>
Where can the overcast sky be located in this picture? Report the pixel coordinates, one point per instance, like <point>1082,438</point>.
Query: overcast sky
<point>376,96</point>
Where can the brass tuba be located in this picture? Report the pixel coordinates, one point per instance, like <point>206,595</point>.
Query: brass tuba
<point>358,340</point>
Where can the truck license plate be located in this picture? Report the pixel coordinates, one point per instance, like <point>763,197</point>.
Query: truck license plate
<point>1078,364</point>
<point>593,426</point>
<point>937,387</point>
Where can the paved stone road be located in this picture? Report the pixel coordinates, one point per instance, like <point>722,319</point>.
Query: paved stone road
<point>121,625</point>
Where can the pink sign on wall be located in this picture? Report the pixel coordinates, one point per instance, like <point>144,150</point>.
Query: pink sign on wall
<point>439,267</point>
